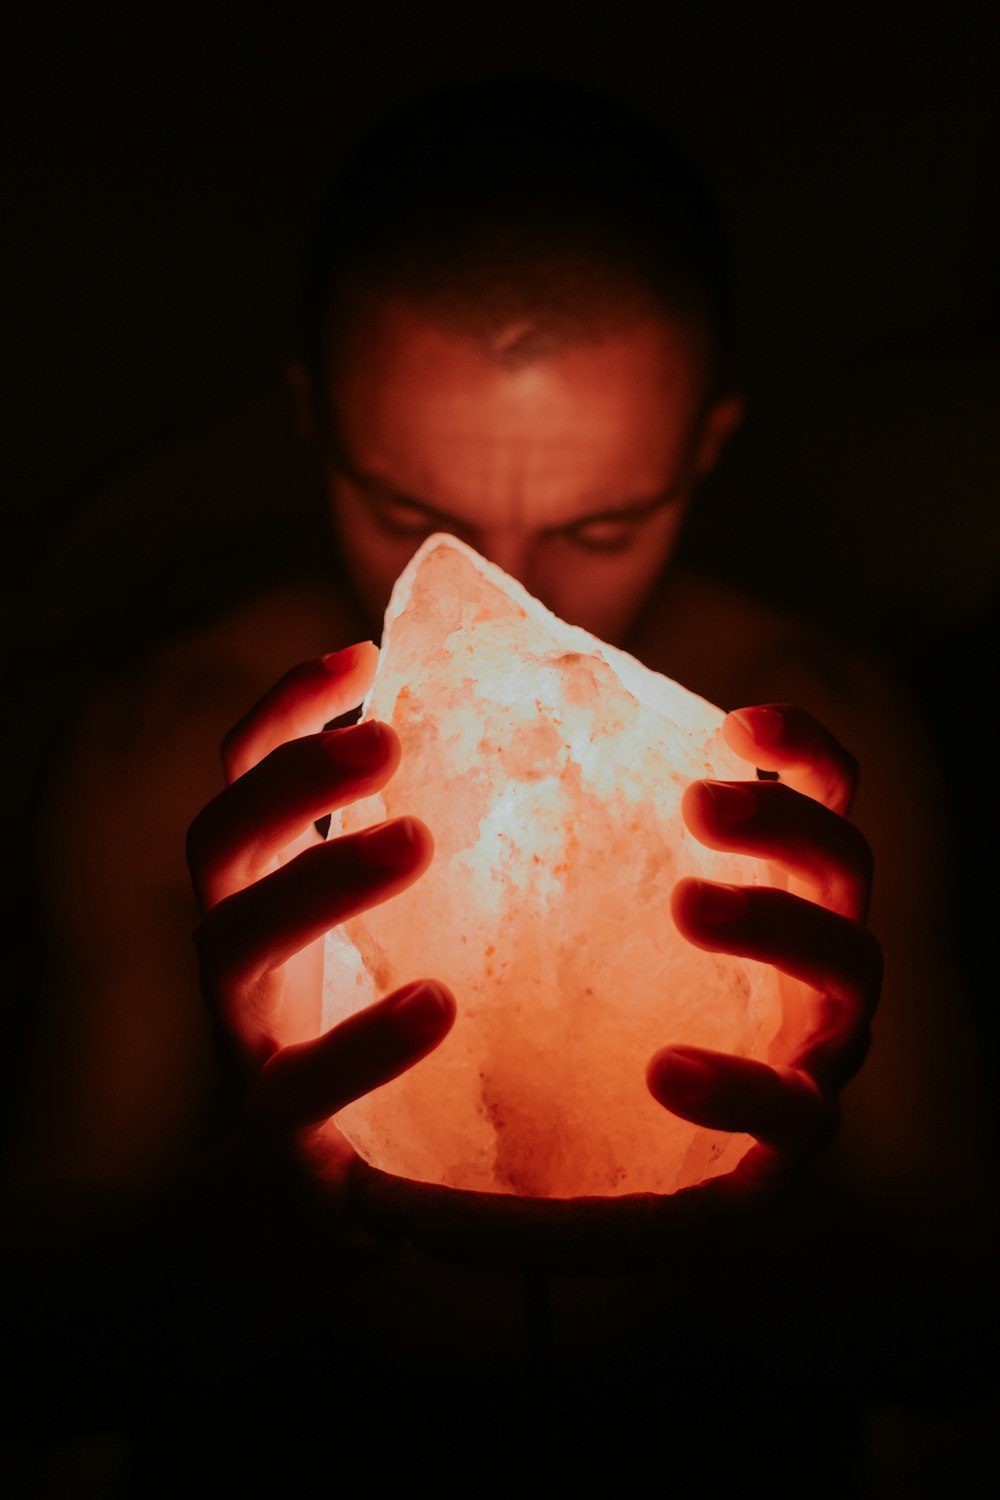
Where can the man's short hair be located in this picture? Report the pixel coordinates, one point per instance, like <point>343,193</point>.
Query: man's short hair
<point>528,215</point>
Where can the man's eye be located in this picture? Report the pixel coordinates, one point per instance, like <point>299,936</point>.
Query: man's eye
<point>603,536</point>
<point>402,520</point>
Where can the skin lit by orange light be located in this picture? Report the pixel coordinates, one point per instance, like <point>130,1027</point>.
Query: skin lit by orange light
<point>550,770</point>
<point>572,471</point>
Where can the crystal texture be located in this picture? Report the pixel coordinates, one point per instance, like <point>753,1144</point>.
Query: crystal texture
<point>549,767</point>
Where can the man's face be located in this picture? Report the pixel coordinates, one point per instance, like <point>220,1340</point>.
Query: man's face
<point>572,472</point>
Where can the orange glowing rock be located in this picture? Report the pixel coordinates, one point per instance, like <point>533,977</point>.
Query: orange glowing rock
<point>549,767</point>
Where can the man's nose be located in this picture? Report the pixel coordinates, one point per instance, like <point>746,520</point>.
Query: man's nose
<point>511,552</point>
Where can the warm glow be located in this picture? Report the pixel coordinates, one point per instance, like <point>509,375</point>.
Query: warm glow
<point>549,767</point>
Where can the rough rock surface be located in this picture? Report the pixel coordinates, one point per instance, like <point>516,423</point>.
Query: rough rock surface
<point>549,767</point>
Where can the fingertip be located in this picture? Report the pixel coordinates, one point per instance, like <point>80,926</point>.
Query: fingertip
<point>363,655</point>
<point>781,737</point>
<point>756,735</point>
<point>782,1108</point>
<point>716,810</point>
<point>682,897</point>
<point>761,727</point>
<point>424,1011</point>
<point>403,843</point>
<point>308,1082</point>
<point>702,908</point>
<point>308,696</point>
<point>682,1079</point>
<point>422,841</point>
<point>693,807</point>
<point>369,746</point>
<point>350,673</point>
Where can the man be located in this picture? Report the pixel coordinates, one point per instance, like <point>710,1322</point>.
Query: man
<point>519,330</point>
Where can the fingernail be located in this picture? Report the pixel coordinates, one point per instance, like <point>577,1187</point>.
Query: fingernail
<point>732,802</point>
<point>763,725</point>
<point>719,905</point>
<point>361,745</point>
<point>686,1077</point>
<point>341,662</point>
<point>420,1009</point>
<point>389,847</point>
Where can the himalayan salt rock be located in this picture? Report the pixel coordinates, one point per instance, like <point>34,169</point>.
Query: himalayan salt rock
<point>549,767</point>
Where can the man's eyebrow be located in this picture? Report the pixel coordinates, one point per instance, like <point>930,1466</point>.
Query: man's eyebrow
<point>391,492</point>
<point>630,510</point>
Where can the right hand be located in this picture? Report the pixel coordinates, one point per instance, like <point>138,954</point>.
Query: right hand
<point>269,887</point>
<point>813,933</point>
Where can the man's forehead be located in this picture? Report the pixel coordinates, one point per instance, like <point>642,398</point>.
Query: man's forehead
<point>408,387</point>
<point>389,329</point>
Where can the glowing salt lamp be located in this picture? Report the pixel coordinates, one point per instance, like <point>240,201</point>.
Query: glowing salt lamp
<point>549,767</point>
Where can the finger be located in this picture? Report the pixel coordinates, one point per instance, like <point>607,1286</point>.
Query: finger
<point>252,932</point>
<point>779,737</point>
<point>781,1108</point>
<point>837,958</point>
<point>237,837</point>
<point>305,699</point>
<point>305,1084</point>
<point>802,837</point>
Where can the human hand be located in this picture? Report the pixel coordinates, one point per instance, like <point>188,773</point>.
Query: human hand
<point>269,887</point>
<point>813,932</point>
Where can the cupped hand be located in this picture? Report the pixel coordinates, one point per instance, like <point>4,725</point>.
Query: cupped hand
<point>812,931</point>
<point>269,887</point>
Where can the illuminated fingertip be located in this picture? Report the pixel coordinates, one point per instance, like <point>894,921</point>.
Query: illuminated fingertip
<point>393,846</point>
<point>765,726</point>
<point>715,905</point>
<point>732,802</point>
<point>680,1078</point>
<point>342,662</point>
<point>423,1011</point>
<point>359,747</point>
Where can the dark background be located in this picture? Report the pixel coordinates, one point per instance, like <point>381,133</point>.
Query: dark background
<point>160,181</point>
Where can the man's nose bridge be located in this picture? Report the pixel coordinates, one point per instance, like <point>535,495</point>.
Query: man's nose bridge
<point>511,551</point>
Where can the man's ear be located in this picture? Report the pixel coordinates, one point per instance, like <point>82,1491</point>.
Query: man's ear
<point>303,393</point>
<point>720,424</point>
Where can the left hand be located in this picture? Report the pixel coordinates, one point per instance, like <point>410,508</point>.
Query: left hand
<point>270,888</point>
<point>831,963</point>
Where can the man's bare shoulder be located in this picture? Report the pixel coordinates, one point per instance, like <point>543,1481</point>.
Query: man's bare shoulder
<point>160,724</point>
<point>214,673</point>
<point>735,649</point>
